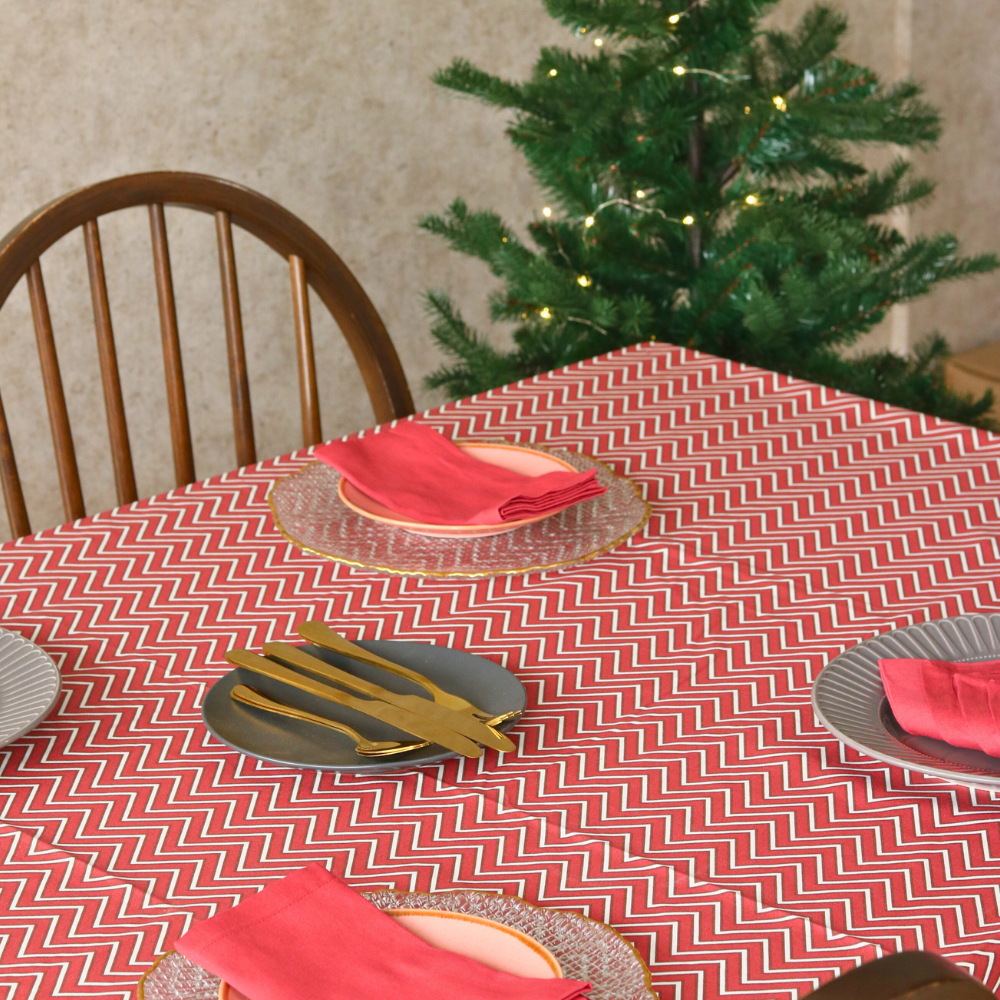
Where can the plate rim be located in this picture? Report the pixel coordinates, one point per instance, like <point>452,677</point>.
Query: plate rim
<point>474,918</point>
<point>968,776</point>
<point>537,906</point>
<point>47,661</point>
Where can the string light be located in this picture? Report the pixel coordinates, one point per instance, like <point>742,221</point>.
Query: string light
<point>598,42</point>
<point>746,110</point>
<point>751,199</point>
<point>779,103</point>
<point>680,70</point>
<point>546,211</point>
<point>589,221</point>
<point>544,313</point>
<point>583,281</point>
<point>674,18</point>
<point>640,194</point>
<point>553,72</point>
<point>504,239</point>
<point>688,220</point>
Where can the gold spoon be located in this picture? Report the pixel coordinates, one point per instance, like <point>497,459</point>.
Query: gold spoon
<point>365,748</point>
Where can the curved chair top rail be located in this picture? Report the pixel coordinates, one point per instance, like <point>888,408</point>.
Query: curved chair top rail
<point>284,232</point>
<point>311,262</point>
<point>905,975</point>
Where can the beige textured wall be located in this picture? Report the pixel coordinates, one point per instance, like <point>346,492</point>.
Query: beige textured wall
<point>952,47</point>
<point>328,108</point>
<point>325,106</point>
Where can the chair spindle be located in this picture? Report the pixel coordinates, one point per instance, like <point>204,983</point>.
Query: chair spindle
<point>180,424</point>
<point>246,449</point>
<point>55,397</point>
<point>308,390</point>
<point>17,512</point>
<point>121,452</point>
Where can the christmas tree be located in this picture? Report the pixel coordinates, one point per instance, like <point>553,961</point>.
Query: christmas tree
<point>707,188</point>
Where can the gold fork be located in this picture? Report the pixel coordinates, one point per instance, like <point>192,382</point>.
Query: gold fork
<point>365,748</point>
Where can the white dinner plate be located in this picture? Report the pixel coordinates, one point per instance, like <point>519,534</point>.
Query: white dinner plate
<point>29,685</point>
<point>849,699</point>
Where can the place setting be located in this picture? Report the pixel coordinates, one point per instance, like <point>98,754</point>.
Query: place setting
<point>925,697</point>
<point>333,705</point>
<point>411,501</point>
<point>311,934</point>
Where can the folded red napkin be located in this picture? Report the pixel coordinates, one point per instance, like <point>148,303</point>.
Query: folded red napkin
<point>955,702</point>
<point>417,472</point>
<point>311,935</point>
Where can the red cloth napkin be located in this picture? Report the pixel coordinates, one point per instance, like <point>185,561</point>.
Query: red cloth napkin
<point>415,471</point>
<point>955,702</point>
<point>311,935</point>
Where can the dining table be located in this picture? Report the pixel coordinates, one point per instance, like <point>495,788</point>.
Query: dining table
<point>669,778</point>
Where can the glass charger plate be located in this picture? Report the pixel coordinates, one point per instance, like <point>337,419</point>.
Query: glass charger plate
<point>585,949</point>
<point>310,514</point>
<point>849,699</point>
<point>29,685</point>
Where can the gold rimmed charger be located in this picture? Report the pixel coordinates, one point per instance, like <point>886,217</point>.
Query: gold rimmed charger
<point>585,949</point>
<point>309,513</point>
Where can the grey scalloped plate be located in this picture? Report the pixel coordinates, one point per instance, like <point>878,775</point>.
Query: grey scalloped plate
<point>849,699</point>
<point>29,685</point>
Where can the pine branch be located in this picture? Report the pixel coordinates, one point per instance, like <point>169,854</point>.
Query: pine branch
<point>709,189</point>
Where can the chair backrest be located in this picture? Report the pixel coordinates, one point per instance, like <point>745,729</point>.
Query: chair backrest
<point>906,975</point>
<point>311,261</point>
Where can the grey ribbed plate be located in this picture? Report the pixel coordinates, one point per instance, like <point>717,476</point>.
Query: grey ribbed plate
<point>849,699</point>
<point>29,685</point>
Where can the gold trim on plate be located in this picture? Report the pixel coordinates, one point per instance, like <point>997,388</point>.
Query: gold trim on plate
<point>462,574</point>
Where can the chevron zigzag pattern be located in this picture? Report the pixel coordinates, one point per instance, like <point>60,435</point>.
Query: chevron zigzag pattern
<point>670,777</point>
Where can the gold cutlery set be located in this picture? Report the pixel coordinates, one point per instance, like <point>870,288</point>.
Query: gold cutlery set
<point>445,719</point>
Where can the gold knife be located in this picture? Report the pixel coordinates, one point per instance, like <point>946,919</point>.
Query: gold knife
<point>457,721</point>
<point>425,728</point>
<point>321,634</point>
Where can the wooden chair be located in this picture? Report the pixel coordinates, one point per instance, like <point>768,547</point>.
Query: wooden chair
<point>913,975</point>
<point>311,261</point>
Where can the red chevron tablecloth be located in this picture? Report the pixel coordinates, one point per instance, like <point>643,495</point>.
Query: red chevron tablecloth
<point>670,777</point>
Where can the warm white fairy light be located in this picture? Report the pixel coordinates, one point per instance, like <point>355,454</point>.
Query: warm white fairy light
<point>688,220</point>
<point>545,313</point>
<point>746,110</point>
<point>546,211</point>
<point>674,18</point>
<point>751,199</point>
<point>583,281</point>
<point>553,72</point>
<point>598,42</point>
<point>589,221</point>
<point>779,103</point>
<point>680,70</point>
<point>640,194</point>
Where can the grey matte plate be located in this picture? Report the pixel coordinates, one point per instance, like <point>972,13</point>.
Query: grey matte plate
<point>303,744</point>
<point>849,699</point>
<point>29,685</point>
